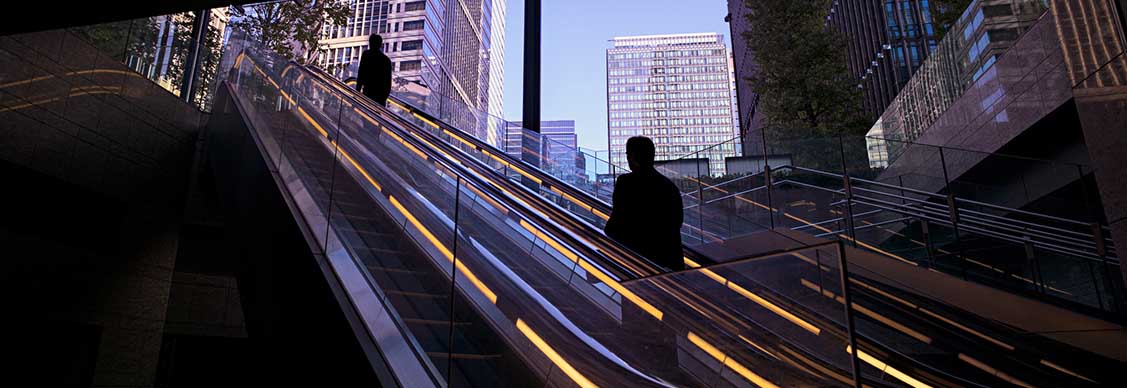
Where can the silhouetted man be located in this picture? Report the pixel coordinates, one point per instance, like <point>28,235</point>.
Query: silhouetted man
<point>373,78</point>
<point>646,215</point>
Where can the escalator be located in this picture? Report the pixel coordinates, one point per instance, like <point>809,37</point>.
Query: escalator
<point>529,305</point>
<point>583,206</point>
<point>466,276</point>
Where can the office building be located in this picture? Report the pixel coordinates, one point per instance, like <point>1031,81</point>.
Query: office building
<point>453,49</point>
<point>675,89</point>
<point>986,29</point>
<point>557,146</point>
<point>748,117</point>
<point>886,41</point>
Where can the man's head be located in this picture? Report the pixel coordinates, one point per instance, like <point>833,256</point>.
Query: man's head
<point>639,152</point>
<point>375,42</point>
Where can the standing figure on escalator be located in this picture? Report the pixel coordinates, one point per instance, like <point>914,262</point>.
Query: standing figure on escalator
<point>646,210</point>
<point>373,78</point>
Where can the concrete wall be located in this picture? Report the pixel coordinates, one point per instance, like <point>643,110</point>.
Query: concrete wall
<point>95,160</point>
<point>122,266</point>
<point>1094,47</point>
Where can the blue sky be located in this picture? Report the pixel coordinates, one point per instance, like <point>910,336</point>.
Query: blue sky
<point>573,52</point>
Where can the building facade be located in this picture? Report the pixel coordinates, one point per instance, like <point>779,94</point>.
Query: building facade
<point>748,117</point>
<point>986,29</point>
<point>675,89</point>
<point>886,42</point>
<point>557,147</point>
<point>455,49</point>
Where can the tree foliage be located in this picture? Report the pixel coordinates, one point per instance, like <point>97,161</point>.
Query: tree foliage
<point>804,86</point>
<point>292,29</point>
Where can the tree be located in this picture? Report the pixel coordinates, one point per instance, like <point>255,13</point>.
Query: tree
<point>804,86</point>
<point>292,29</point>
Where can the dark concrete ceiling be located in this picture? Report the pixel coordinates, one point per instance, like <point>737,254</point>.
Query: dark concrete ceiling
<point>40,15</point>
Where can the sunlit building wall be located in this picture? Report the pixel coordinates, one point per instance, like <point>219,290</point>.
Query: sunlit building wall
<point>675,89</point>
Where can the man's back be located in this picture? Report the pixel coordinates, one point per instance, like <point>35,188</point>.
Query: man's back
<point>646,217</point>
<point>374,75</point>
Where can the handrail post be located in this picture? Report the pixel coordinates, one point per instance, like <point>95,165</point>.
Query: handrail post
<point>929,247</point>
<point>700,203</point>
<point>770,202</point>
<point>1034,266</point>
<point>953,212</point>
<point>847,300</point>
<point>849,209</point>
<point>1101,251</point>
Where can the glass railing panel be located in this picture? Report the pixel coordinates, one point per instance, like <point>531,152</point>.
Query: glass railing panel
<point>330,170</point>
<point>754,319</point>
<point>157,48</point>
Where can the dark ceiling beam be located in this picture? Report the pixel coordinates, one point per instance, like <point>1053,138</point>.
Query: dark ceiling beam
<point>32,16</point>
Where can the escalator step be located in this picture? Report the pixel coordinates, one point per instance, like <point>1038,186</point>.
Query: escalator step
<point>397,270</point>
<point>420,321</point>
<point>417,294</point>
<point>464,356</point>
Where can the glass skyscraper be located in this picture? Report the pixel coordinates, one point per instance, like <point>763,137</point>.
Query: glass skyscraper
<point>448,47</point>
<point>886,42</point>
<point>675,89</point>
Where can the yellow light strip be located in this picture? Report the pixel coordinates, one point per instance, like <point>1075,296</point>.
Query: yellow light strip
<point>756,298</point>
<point>493,203</point>
<point>580,203</point>
<point>755,345</point>
<point>431,145</point>
<point>997,373</point>
<point>111,71</point>
<point>774,308</point>
<point>552,242</point>
<point>30,104</point>
<point>425,120</point>
<point>489,294</point>
<point>729,362</point>
<point>515,168</point>
<point>26,81</point>
<point>646,306</point>
<point>405,144</point>
<point>882,293</point>
<point>392,102</point>
<point>600,214</point>
<point>310,120</point>
<point>445,252</point>
<point>560,362</point>
<point>358,168</point>
<point>836,376</point>
<point>872,314</point>
<point>1062,369</point>
<point>458,138</point>
<point>629,295</point>
<point>366,117</point>
<point>903,377</point>
<point>967,329</point>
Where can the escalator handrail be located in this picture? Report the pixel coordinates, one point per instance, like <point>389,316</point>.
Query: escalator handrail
<point>551,180</point>
<point>886,349</point>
